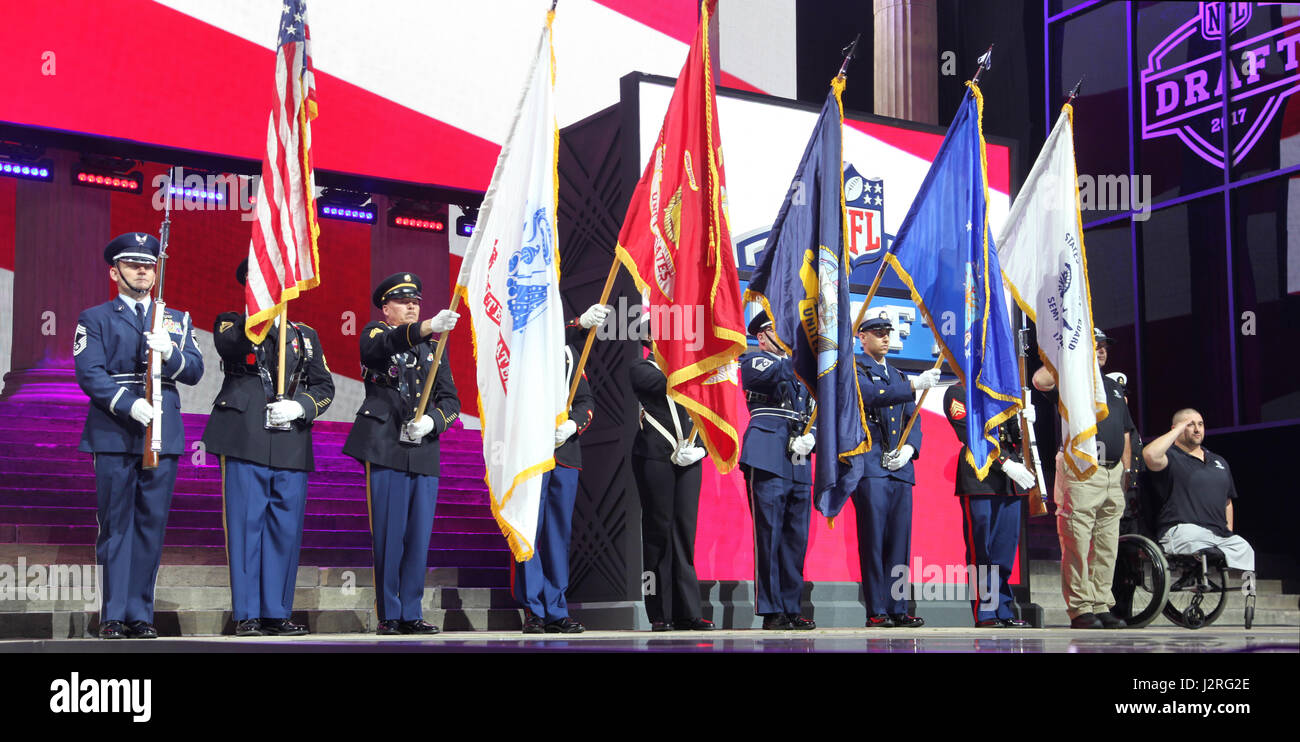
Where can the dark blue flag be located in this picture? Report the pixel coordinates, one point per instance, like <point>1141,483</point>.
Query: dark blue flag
<point>802,280</point>
<point>945,254</point>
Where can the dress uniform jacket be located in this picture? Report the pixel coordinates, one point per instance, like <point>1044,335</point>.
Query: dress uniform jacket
<point>889,403</point>
<point>110,355</point>
<point>778,410</point>
<point>396,364</point>
<point>237,427</point>
<point>996,482</point>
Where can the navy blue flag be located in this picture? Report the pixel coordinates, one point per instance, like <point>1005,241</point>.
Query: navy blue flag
<point>945,254</point>
<point>802,280</point>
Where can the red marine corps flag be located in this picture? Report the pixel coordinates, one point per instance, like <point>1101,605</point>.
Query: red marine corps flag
<point>282,258</point>
<point>676,244</point>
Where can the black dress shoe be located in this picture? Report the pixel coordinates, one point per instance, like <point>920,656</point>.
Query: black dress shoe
<point>907,621</point>
<point>880,621</point>
<point>566,625</point>
<point>694,624</point>
<point>776,622</point>
<point>249,627</point>
<point>1086,621</point>
<point>1015,623</point>
<point>282,627</point>
<point>534,625</point>
<point>111,630</point>
<point>388,628</point>
<point>799,623</point>
<point>1111,621</point>
<point>990,623</point>
<point>141,630</point>
<point>418,626</point>
<point>660,626</point>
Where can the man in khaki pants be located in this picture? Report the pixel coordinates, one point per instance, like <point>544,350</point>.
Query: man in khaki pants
<point>1088,511</point>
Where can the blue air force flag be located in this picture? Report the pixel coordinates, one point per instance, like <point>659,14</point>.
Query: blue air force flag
<point>945,254</point>
<point>802,279</point>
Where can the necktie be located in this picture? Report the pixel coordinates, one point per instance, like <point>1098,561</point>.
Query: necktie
<point>139,314</point>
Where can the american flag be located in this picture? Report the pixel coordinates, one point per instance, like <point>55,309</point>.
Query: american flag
<point>282,256</point>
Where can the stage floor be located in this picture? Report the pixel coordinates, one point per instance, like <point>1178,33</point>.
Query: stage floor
<point>894,641</point>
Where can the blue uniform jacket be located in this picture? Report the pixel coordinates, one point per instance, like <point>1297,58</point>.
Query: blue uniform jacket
<point>889,402</point>
<point>778,408</point>
<point>110,354</point>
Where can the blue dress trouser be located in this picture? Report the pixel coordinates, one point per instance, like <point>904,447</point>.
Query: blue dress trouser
<point>782,510</point>
<point>884,510</point>
<point>264,510</point>
<point>132,514</point>
<point>540,582</point>
<point>401,521</point>
<point>991,524</point>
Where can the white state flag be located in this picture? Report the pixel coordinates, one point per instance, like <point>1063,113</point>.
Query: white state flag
<point>1046,269</point>
<point>510,281</point>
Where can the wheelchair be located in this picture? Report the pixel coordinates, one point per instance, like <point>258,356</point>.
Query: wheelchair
<point>1191,590</point>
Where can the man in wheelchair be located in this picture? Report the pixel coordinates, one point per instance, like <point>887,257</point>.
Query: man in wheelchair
<point>1195,486</point>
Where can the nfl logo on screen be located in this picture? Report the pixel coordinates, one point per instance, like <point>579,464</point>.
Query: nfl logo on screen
<point>864,206</point>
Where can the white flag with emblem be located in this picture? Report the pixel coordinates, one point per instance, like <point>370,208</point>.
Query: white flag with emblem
<point>1046,269</point>
<point>510,281</point>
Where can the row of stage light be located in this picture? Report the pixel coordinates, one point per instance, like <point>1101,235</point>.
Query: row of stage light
<point>344,206</point>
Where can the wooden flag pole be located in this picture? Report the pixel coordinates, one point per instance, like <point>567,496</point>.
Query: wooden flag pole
<point>437,361</point>
<point>591,334</point>
<point>279,371</point>
<point>917,412</point>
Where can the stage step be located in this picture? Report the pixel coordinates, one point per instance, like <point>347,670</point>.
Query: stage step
<point>47,499</point>
<point>1274,606</point>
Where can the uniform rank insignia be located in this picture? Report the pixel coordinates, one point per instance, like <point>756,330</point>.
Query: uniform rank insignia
<point>760,364</point>
<point>225,326</point>
<point>958,410</point>
<point>376,332</point>
<point>79,341</point>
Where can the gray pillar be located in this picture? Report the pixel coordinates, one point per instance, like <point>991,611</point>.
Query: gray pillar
<point>907,60</point>
<point>59,270</point>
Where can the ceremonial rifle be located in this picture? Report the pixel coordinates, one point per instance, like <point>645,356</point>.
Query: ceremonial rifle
<point>153,388</point>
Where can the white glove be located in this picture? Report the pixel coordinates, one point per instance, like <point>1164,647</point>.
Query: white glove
<point>594,316</point>
<point>444,321</point>
<point>895,460</point>
<point>803,445</point>
<point>566,429</point>
<point>417,429</point>
<point>161,342</point>
<point>1019,474</point>
<point>284,411</point>
<point>1029,413</point>
<point>688,455</point>
<point>927,379</point>
<point>142,412</point>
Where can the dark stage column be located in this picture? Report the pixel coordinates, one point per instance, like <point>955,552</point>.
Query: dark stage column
<point>907,60</point>
<point>59,270</point>
<point>423,253</point>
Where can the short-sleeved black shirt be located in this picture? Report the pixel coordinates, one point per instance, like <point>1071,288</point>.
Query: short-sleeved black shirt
<point>1110,431</point>
<point>1194,491</point>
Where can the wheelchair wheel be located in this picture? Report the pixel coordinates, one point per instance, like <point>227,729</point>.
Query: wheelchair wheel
<point>1193,606</point>
<point>1141,582</point>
